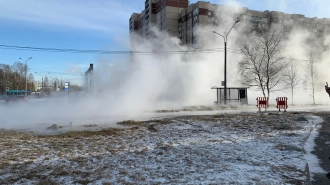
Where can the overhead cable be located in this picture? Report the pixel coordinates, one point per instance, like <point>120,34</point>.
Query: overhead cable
<point>109,52</point>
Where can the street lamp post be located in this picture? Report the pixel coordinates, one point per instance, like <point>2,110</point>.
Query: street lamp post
<point>16,88</point>
<point>26,73</point>
<point>225,73</point>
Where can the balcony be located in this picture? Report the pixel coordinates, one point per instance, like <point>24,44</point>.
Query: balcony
<point>147,17</point>
<point>146,4</point>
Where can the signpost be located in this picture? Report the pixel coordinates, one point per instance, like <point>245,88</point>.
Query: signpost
<point>66,86</point>
<point>7,90</point>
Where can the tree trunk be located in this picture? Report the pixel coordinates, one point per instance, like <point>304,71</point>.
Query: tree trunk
<point>292,96</point>
<point>313,96</point>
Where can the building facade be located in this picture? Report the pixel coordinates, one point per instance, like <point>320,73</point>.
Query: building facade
<point>162,14</point>
<point>179,19</point>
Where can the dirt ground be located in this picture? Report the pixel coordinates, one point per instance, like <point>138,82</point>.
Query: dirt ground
<point>168,151</point>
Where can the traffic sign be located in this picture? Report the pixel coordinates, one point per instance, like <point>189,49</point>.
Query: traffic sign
<point>7,89</point>
<point>66,86</point>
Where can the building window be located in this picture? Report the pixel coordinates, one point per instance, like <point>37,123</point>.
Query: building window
<point>194,33</point>
<point>209,13</point>
<point>264,19</point>
<point>195,19</point>
<point>195,12</point>
<point>195,25</point>
<point>253,18</point>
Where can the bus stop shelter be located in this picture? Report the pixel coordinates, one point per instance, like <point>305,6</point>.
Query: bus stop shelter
<point>234,95</point>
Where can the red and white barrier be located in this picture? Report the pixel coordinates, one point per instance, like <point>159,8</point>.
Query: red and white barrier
<point>282,103</point>
<point>262,102</point>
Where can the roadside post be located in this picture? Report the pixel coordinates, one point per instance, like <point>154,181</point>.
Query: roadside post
<point>262,102</point>
<point>282,102</point>
<point>66,88</point>
<point>16,88</point>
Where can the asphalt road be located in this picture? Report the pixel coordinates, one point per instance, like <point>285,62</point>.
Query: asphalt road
<point>322,149</point>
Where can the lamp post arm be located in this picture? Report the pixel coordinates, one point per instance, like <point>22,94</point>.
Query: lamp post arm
<point>231,29</point>
<point>219,34</point>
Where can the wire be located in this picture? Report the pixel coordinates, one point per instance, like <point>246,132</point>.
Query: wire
<point>108,52</point>
<point>115,52</point>
<point>38,70</point>
<point>195,51</point>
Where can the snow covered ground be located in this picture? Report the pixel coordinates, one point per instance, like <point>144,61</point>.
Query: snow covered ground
<point>246,148</point>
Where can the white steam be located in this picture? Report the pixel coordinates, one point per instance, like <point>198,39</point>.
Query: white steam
<point>162,78</point>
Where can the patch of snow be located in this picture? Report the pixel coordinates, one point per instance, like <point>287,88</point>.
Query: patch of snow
<point>311,159</point>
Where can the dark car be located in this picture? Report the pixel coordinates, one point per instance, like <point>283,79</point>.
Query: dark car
<point>19,98</point>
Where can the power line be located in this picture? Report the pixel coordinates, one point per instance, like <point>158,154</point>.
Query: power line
<point>38,70</point>
<point>113,52</point>
<point>109,52</point>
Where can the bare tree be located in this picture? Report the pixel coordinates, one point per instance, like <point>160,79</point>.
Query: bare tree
<point>2,82</point>
<point>291,78</point>
<point>312,74</point>
<point>31,82</point>
<point>18,69</point>
<point>262,64</point>
<point>5,75</point>
<point>13,76</point>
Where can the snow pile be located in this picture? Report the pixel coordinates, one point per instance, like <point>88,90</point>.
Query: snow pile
<point>216,149</point>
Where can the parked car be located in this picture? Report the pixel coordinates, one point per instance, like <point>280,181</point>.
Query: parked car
<point>19,98</point>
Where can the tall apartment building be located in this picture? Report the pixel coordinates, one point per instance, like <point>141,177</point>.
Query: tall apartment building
<point>205,13</point>
<point>163,14</point>
<point>181,20</point>
<point>286,22</point>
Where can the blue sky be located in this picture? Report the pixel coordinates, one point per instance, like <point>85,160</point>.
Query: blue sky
<point>92,24</point>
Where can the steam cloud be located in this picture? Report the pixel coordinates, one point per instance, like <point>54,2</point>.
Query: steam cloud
<point>142,83</point>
